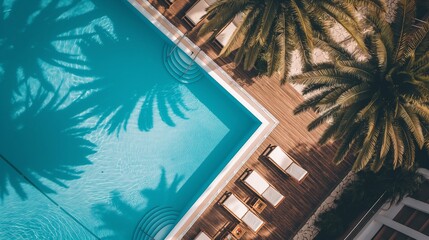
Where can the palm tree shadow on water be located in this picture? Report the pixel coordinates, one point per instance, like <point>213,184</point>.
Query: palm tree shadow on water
<point>41,138</point>
<point>28,32</point>
<point>151,221</point>
<point>44,137</point>
<point>44,142</point>
<point>126,81</point>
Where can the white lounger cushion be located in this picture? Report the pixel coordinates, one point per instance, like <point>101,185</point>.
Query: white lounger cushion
<point>242,212</point>
<point>202,236</point>
<point>257,182</point>
<point>198,10</point>
<point>252,221</point>
<point>273,196</point>
<point>261,186</point>
<point>226,34</point>
<point>296,172</point>
<point>235,206</point>
<point>280,158</point>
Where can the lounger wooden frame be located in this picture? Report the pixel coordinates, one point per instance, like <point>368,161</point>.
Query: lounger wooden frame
<point>281,169</point>
<point>225,197</point>
<point>246,174</point>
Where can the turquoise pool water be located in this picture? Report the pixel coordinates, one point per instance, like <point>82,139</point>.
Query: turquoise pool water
<point>98,137</point>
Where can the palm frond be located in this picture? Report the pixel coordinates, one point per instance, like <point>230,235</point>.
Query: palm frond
<point>242,51</point>
<point>378,5</point>
<point>404,19</point>
<point>421,110</point>
<point>381,27</point>
<point>347,21</point>
<point>355,94</point>
<point>419,35</point>
<point>380,52</point>
<point>370,108</point>
<point>385,143</point>
<point>322,76</point>
<point>302,21</point>
<point>220,13</point>
<point>335,50</point>
<point>276,49</point>
<point>332,97</point>
<point>424,43</point>
<point>412,124</point>
<point>290,45</point>
<point>303,32</point>
<point>348,118</point>
<point>420,63</point>
<point>313,101</point>
<point>251,56</point>
<point>369,145</point>
<point>330,131</point>
<point>267,20</point>
<point>239,37</point>
<point>355,69</point>
<point>409,150</point>
<point>383,147</point>
<point>348,141</point>
<point>308,89</point>
<point>322,118</point>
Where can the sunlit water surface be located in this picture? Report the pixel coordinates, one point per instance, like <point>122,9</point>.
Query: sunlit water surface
<point>99,140</point>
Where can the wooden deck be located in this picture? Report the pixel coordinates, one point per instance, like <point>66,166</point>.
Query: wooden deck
<point>291,134</point>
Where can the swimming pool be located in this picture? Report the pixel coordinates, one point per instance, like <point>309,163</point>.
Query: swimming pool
<point>100,138</point>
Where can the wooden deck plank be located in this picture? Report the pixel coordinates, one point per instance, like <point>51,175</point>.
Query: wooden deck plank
<point>291,134</point>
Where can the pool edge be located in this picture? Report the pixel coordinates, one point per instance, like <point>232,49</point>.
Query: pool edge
<point>268,121</point>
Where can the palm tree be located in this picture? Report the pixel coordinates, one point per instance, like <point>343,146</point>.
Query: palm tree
<point>378,109</point>
<point>272,29</point>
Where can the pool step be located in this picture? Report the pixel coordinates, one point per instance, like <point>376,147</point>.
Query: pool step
<point>156,223</point>
<point>180,65</point>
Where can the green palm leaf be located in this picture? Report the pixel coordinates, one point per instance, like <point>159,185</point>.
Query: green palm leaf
<point>412,124</point>
<point>418,36</point>
<point>367,151</point>
<point>403,21</point>
<point>346,20</point>
<point>270,13</point>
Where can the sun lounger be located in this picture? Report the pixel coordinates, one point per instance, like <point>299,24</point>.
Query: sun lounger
<point>285,163</point>
<point>226,34</point>
<point>202,236</point>
<point>262,187</point>
<point>297,172</point>
<point>241,212</point>
<point>197,11</point>
<point>280,158</point>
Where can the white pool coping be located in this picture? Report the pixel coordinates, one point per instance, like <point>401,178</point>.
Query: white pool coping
<point>268,121</point>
